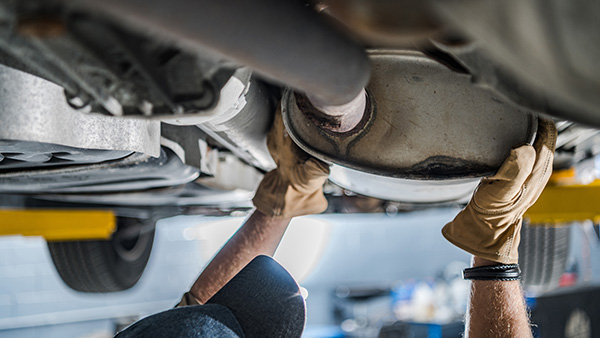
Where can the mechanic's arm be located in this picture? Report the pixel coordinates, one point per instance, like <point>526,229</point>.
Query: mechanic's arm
<point>490,228</point>
<point>295,188</point>
<point>496,308</point>
<point>260,235</point>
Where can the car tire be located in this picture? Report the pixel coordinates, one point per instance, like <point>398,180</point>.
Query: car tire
<point>105,265</point>
<point>543,256</point>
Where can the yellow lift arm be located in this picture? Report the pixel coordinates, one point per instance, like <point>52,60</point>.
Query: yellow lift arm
<point>564,204</point>
<point>58,225</point>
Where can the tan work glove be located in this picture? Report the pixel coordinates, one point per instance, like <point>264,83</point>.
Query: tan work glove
<point>295,188</point>
<point>188,300</point>
<point>490,225</point>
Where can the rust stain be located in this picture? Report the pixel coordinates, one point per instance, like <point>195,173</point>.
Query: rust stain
<point>316,116</point>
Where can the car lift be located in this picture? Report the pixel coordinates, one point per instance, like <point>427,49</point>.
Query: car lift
<point>58,224</point>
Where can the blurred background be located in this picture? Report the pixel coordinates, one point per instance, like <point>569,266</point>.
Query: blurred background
<point>363,275</point>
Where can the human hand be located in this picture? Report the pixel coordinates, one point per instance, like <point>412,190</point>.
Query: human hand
<point>490,225</point>
<point>295,188</point>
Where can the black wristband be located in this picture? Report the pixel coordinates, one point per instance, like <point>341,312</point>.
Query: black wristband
<point>493,272</point>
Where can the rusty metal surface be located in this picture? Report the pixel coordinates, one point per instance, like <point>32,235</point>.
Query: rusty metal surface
<point>346,116</point>
<point>426,122</point>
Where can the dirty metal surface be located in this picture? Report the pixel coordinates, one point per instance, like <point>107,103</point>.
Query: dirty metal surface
<point>192,194</point>
<point>543,53</point>
<point>133,173</point>
<point>240,121</point>
<point>34,109</point>
<point>104,66</point>
<point>243,129</point>
<point>425,122</point>
<point>282,40</point>
<point>35,155</point>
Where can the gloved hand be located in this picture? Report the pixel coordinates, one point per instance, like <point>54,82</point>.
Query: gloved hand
<point>188,299</point>
<point>490,225</point>
<point>295,188</point>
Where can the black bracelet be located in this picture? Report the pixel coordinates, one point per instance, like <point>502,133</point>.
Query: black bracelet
<point>493,272</point>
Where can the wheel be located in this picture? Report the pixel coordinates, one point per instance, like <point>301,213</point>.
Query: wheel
<point>543,256</point>
<point>105,265</point>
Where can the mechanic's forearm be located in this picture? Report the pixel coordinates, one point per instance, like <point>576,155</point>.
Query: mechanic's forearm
<point>496,309</point>
<point>260,235</point>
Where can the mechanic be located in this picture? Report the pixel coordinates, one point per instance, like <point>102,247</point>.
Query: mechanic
<point>489,228</point>
<point>244,293</point>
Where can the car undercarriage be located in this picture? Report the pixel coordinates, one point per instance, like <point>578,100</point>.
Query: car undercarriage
<point>153,108</point>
